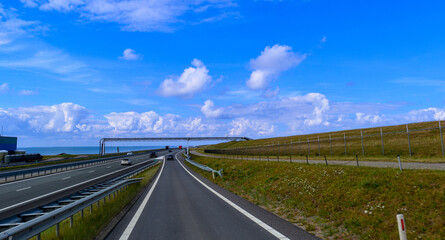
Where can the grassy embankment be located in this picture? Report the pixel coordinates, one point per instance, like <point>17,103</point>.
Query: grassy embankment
<point>340,202</point>
<point>425,145</point>
<point>93,223</point>
<point>67,158</point>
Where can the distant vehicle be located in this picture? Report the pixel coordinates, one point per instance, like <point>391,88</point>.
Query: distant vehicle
<point>153,154</point>
<point>167,147</point>
<point>125,161</point>
<point>170,157</point>
<point>129,153</point>
<point>180,147</point>
<point>169,150</point>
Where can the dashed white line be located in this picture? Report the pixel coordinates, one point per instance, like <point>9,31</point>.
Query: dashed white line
<point>21,189</point>
<point>108,167</point>
<point>65,178</point>
<point>91,171</point>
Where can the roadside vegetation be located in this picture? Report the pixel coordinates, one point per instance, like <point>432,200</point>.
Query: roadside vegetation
<point>92,224</point>
<point>339,202</point>
<point>424,140</point>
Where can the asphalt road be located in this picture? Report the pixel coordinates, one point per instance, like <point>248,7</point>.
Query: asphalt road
<point>178,206</point>
<point>15,194</point>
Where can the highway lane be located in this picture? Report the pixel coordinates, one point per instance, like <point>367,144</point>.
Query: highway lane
<point>15,193</point>
<point>180,207</point>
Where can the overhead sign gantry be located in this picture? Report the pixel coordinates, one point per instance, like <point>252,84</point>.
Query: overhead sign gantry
<point>103,140</point>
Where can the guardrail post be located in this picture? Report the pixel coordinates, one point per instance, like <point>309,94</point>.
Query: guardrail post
<point>71,221</point>
<point>57,229</point>
<point>81,213</point>
<point>91,208</point>
<point>38,237</point>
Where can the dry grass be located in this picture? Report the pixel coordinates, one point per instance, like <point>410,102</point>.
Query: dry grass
<point>425,144</point>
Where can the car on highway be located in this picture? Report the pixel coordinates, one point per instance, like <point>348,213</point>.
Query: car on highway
<point>153,154</point>
<point>129,153</point>
<point>125,161</point>
<point>169,150</point>
<point>170,157</point>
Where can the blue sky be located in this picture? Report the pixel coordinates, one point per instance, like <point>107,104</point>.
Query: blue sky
<point>74,71</point>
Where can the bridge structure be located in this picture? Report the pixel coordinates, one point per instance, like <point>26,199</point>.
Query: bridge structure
<point>153,139</point>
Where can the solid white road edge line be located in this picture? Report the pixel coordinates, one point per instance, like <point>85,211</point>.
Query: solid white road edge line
<point>21,189</point>
<point>41,196</point>
<point>244,212</point>
<point>126,234</point>
<point>65,178</point>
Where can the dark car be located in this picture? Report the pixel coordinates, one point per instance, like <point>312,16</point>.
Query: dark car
<point>169,150</point>
<point>170,157</point>
<point>153,154</point>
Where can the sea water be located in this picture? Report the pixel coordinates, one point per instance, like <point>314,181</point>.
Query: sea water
<point>84,150</point>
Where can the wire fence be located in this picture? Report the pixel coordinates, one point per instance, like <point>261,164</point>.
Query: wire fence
<point>405,140</point>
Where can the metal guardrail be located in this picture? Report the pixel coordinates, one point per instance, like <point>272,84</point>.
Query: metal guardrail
<point>201,166</point>
<point>27,173</point>
<point>37,225</point>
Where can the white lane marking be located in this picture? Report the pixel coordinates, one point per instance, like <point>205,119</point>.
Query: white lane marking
<point>126,234</point>
<point>108,167</point>
<point>21,189</point>
<point>91,171</point>
<point>42,196</point>
<point>65,178</point>
<point>244,212</point>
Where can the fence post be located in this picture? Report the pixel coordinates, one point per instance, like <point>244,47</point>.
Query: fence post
<point>363,148</point>
<point>299,147</point>
<point>307,160</point>
<point>441,139</point>
<point>409,142</point>
<point>356,158</point>
<point>344,136</point>
<point>381,136</point>
<point>400,164</point>
<point>308,147</point>
<point>330,143</point>
<point>291,151</point>
<point>325,160</point>
<point>319,154</point>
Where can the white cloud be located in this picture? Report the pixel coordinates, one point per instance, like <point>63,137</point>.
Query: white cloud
<point>192,80</point>
<point>130,54</point>
<point>56,118</point>
<point>368,118</point>
<point>242,126</point>
<point>209,110</point>
<point>323,40</point>
<point>272,61</point>
<point>137,15</point>
<point>55,62</point>
<point>4,88</point>
<point>27,92</point>
<point>12,27</point>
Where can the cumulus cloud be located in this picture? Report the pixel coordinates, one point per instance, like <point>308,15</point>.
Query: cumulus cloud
<point>136,15</point>
<point>209,110</point>
<point>192,80</point>
<point>4,88</point>
<point>241,126</point>
<point>272,61</point>
<point>368,118</point>
<point>130,54</point>
<point>56,118</point>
